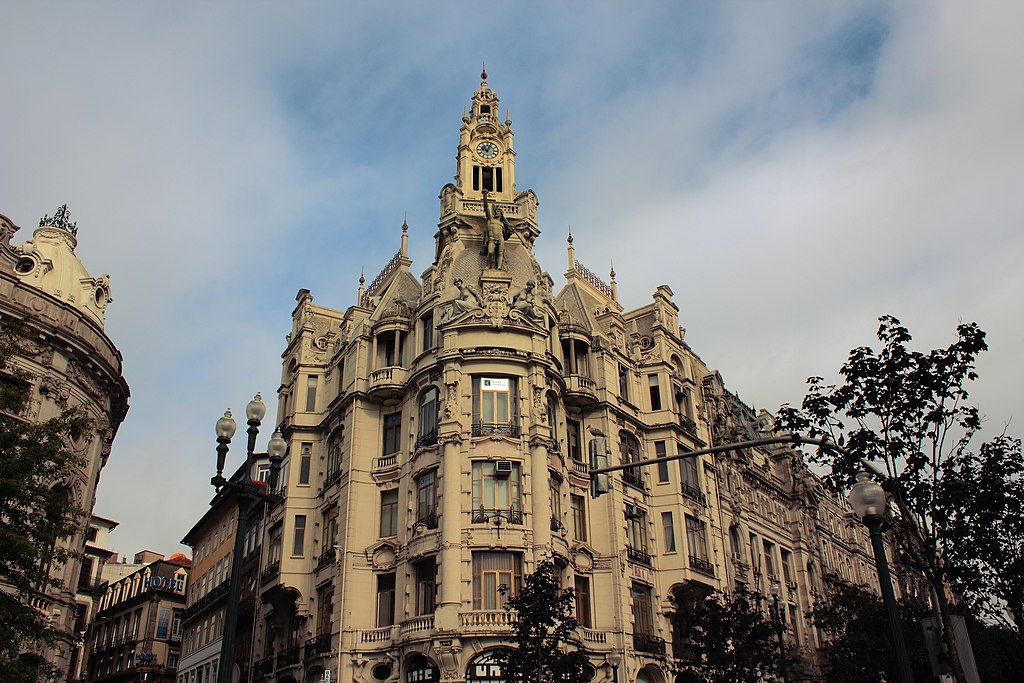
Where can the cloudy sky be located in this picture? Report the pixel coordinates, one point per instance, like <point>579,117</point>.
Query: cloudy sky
<point>791,170</point>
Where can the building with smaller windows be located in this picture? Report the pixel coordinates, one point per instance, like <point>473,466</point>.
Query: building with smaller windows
<point>91,584</point>
<point>212,540</point>
<point>137,632</point>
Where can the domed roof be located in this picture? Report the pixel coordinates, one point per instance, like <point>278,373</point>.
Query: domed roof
<point>49,263</point>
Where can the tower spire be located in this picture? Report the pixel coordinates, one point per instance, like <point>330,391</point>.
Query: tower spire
<point>572,251</point>
<point>613,284</point>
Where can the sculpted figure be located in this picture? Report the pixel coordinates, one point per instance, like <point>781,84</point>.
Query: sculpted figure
<point>468,299</point>
<point>496,231</point>
<point>525,300</point>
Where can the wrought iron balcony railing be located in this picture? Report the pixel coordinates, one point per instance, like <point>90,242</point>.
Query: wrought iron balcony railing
<point>318,645</point>
<point>510,515</point>
<point>270,571</point>
<point>702,565</point>
<point>496,428</point>
<point>646,642</point>
<point>638,556</point>
<point>428,439</point>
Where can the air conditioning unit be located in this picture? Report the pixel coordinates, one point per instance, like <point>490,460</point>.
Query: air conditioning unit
<point>503,468</point>
<point>633,512</point>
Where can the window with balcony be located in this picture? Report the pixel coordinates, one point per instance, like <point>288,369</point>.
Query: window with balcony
<point>495,577</point>
<point>643,612</point>
<point>497,491</point>
<point>697,541</point>
<point>495,406</point>
<point>583,614</point>
<point>324,610</point>
<point>429,403</point>
<point>636,535</point>
<point>389,513</point>
<point>426,499</point>
<point>385,599</point>
<point>575,353</point>
<point>390,349</point>
<point>426,586</point>
<point>392,437</point>
<point>579,518</point>
<point>629,449</point>
<point>689,475</point>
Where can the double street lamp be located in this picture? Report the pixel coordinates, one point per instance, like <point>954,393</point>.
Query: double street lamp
<point>779,622</point>
<point>867,498</point>
<point>246,493</point>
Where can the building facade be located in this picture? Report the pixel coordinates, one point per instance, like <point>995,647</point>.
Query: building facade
<point>137,632</point>
<point>70,363</point>
<point>440,436</point>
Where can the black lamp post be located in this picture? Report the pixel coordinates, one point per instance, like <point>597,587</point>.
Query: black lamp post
<point>779,622</point>
<point>868,500</point>
<point>614,659</point>
<point>246,493</point>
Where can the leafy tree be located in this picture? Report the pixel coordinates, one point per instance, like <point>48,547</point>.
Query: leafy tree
<point>851,617</point>
<point>36,514</point>
<point>997,651</point>
<point>543,622</point>
<point>726,638</point>
<point>907,411</point>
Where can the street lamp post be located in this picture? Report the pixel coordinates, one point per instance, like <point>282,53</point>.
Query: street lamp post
<point>614,658</point>
<point>868,501</point>
<point>779,622</point>
<point>246,493</point>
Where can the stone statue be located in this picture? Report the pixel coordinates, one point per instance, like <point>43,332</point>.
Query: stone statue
<point>466,300</point>
<point>496,231</point>
<point>525,300</point>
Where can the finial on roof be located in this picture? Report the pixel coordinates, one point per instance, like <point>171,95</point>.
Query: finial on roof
<point>571,253</point>
<point>405,236</point>
<point>614,286</point>
<point>570,233</point>
<point>508,118</point>
<point>612,271</point>
<point>61,219</point>
<point>405,222</point>
<point>361,292</point>
<point>483,71</point>
<point>362,279</point>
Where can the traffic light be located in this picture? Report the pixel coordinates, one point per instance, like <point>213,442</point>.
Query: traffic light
<point>600,484</point>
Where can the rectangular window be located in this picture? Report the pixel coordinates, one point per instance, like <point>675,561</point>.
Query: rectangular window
<point>494,406</point>
<point>579,518</point>
<point>652,381</point>
<point>555,499</point>
<point>583,614</point>
<point>697,538</point>
<point>426,586</point>
<point>428,331</point>
<point>476,177</point>
<point>668,528</point>
<point>754,555</point>
<point>787,565</point>
<point>426,499</point>
<point>660,452</point>
<point>330,531</point>
<point>325,607</point>
<point>769,558</point>
<point>734,542</point>
<point>299,538</point>
<point>385,599</point>
<point>553,416</point>
<point>311,383</point>
<point>392,433</point>
<point>643,614</point>
<point>491,571</point>
<point>496,493</point>
<point>572,435</point>
<point>623,382</point>
<point>389,513</point>
<point>305,456</point>
<point>487,178</point>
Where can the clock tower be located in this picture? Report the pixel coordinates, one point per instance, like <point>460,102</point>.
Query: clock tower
<point>485,164</point>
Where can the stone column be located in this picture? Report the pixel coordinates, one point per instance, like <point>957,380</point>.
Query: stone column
<point>450,487</point>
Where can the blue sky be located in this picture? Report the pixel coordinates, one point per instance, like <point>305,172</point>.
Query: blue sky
<point>791,170</point>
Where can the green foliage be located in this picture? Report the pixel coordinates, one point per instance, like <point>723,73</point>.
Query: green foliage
<point>543,623</point>
<point>907,412</point>
<point>854,619</point>
<point>36,513</point>
<point>727,638</point>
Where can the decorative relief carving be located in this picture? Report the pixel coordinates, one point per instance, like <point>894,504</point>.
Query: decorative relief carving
<point>538,404</point>
<point>77,374</point>
<point>496,302</point>
<point>451,399</point>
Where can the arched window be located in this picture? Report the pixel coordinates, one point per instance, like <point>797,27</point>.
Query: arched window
<point>629,449</point>
<point>484,668</point>
<point>429,402</point>
<point>420,669</point>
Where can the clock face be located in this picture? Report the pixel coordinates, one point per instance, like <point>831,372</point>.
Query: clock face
<point>486,149</point>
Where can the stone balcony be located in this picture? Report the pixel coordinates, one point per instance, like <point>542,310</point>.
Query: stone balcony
<point>580,391</point>
<point>387,383</point>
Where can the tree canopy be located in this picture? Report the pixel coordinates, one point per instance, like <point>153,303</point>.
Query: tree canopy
<point>36,513</point>
<point>542,625</point>
<point>907,412</point>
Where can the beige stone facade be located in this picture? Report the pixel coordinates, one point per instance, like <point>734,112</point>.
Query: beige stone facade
<point>439,435</point>
<point>71,363</point>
